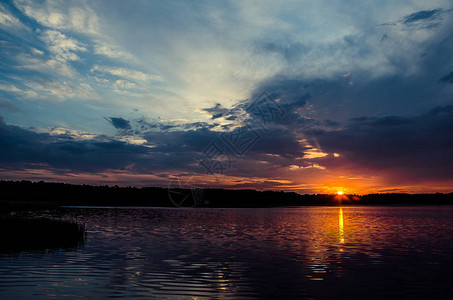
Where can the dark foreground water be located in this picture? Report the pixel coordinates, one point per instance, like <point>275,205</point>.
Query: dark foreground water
<point>283,253</point>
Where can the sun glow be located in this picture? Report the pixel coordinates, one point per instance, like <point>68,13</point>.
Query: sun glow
<point>340,192</point>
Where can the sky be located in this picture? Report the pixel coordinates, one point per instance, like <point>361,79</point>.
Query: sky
<point>304,96</point>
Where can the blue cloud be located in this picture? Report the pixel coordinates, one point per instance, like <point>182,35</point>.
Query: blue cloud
<point>423,15</point>
<point>447,78</point>
<point>119,123</point>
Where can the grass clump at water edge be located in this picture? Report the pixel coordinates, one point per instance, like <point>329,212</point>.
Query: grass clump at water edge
<point>19,234</point>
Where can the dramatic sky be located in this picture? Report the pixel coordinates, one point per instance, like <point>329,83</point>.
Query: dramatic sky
<point>305,96</point>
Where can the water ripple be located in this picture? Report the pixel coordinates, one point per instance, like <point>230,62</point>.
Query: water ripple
<point>282,253</point>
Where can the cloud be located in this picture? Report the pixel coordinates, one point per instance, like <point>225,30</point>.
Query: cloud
<point>61,150</point>
<point>8,104</point>
<point>62,46</point>
<point>144,126</point>
<point>67,133</point>
<point>7,20</point>
<point>63,90</point>
<point>45,66</point>
<point>216,111</point>
<point>51,90</point>
<point>124,84</point>
<point>22,92</point>
<point>415,148</point>
<point>109,50</point>
<point>178,150</point>
<point>21,148</point>
<point>289,51</point>
<point>120,123</point>
<point>234,116</point>
<point>405,150</point>
<point>447,78</point>
<point>180,76</point>
<point>36,51</point>
<point>424,15</point>
<point>421,20</point>
<point>61,15</point>
<point>126,73</point>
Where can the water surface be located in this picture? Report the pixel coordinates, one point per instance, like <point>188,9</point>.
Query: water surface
<point>273,253</point>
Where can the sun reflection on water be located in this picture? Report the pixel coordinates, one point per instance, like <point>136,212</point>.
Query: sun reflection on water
<point>341,225</point>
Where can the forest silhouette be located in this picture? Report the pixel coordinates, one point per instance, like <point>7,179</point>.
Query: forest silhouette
<point>36,195</point>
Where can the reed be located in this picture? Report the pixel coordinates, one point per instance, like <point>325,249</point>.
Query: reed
<point>19,234</point>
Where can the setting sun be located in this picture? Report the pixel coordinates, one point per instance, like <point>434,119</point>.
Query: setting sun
<point>340,192</point>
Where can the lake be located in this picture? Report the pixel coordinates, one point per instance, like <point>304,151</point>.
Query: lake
<point>270,253</point>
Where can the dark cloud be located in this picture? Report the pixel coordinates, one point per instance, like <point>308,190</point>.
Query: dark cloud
<point>171,151</point>
<point>21,148</point>
<point>289,90</point>
<point>142,126</point>
<point>216,111</point>
<point>291,96</point>
<point>447,78</point>
<point>187,141</point>
<point>175,150</point>
<point>399,134</point>
<point>411,147</point>
<point>418,147</point>
<point>392,121</point>
<point>119,123</point>
<point>288,50</point>
<point>7,104</point>
<point>422,15</point>
<point>331,123</point>
<point>276,122</point>
<point>279,141</point>
<point>424,19</point>
<point>441,110</point>
<point>349,94</point>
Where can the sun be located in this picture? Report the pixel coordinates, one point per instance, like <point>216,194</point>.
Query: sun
<point>340,192</point>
